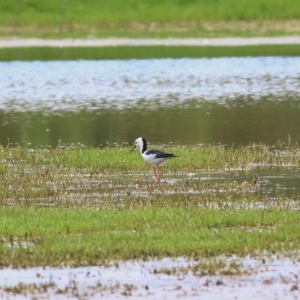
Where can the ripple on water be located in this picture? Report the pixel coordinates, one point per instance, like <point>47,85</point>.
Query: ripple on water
<point>68,85</point>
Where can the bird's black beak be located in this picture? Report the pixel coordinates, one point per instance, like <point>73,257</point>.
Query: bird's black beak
<point>132,149</point>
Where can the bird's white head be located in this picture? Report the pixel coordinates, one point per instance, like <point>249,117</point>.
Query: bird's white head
<point>141,143</point>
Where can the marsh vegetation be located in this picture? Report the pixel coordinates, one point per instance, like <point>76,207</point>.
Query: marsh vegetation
<point>84,206</point>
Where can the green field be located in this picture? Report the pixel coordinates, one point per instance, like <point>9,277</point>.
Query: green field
<point>149,18</point>
<point>114,11</point>
<point>79,236</point>
<point>87,206</point>
<point>143,52</point>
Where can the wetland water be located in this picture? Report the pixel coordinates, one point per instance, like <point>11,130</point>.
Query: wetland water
<point>159,279</point>
<point>231,101</point>
<point>209,101</point>
<point>190,101</point>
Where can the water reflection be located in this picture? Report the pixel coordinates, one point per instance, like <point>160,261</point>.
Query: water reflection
<point>239,122</point>
<point>273,181</point>
<point>221,100</point>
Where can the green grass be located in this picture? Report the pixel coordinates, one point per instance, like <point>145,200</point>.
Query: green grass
<point>118,159</point>
<point>146,18</point>
<point>88,206</point>
<point>141,52</point>
<point>114,11</point>
<point>56,236</point>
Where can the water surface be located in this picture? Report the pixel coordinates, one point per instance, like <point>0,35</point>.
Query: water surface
<point>257,277</point>
<point>219,100</point>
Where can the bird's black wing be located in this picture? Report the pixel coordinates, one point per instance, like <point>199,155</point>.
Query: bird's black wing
<point>161,154</point>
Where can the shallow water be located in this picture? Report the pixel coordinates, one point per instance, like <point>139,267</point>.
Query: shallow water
<point>273,181</point>
<point>262,278</point>
<point>231,101</point>
<point>220,100</point>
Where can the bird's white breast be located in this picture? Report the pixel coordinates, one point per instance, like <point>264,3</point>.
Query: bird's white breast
<point>151,159</point>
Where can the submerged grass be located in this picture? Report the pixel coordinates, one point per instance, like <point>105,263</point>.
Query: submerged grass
<point>86,206</point>
<point>79,173</point>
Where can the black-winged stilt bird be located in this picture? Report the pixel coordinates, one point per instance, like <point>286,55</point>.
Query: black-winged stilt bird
<point>153,157</point>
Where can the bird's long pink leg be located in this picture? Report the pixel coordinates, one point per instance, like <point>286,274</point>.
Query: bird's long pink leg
<point>156,175</point>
